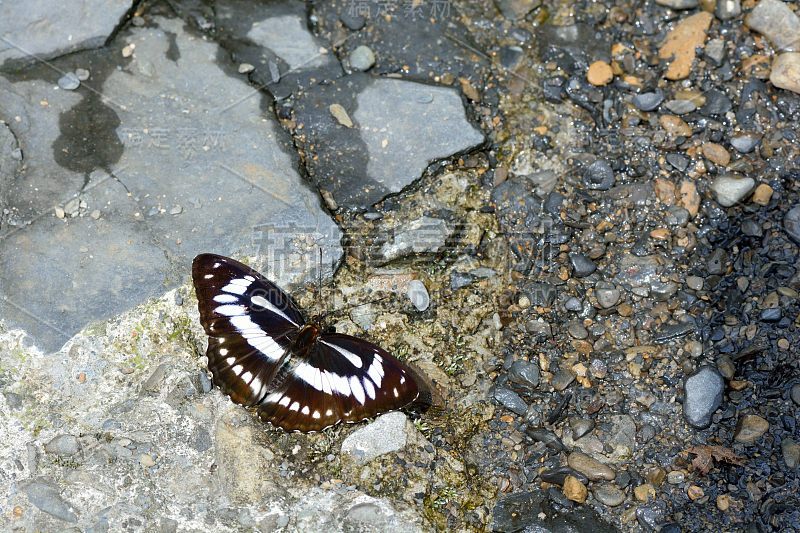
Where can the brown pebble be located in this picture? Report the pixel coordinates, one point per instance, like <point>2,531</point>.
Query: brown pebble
<point>694,492</point>
<point>340,114</point>
<point>575,490</point>
<point>81,377</point>
<point>682,42</point>
<point>660,234</point>
<point>675,126</point>
<point>723,502</point>
<point>665,191</point>
<point>644,491</point>
<point>600,73</point>
<point>717,154</point>
<point>750,428</point>
<point>690,199</point>
<point>786,71</point>
<point>625,309</point>
<point>762,194</point>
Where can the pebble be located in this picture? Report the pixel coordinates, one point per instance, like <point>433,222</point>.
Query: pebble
<point>675,126</point>
<point>648,101</point>
<point>679,161</point>
<point>600,73</point>
<point>64,445</point>
<point>728,9</point>
<point>245,68</point>
<point>575,490</point>
<point>676,477</point>
<point>573,304</point>
<point>340,114</point>
<point>362,58</point>
<point>681,44</point>
<point>678,4</point>
<point>777,22</point>
<point>82,74</point>
<point>644,492</point>
<point>608,494</point>
<point>388,433</point>
<point>591,468</point>
<point>607,294</point>
<point>702,396</point>
<point>786,72</point>
<point>510,400</point>
<point>763,194</point>
<point>599,176</point>
<point>146,460</point>
<point>524,373</point>
<point>731,189</point>
<point>694,282</point>
<point>794,394</point>
<point>744,144</point>
<point>681,107</point>
<point>418,295</point>
<point>580,426</point>
<point>715,51</point>
<point>791,453</point>
<point>510,56</point>
<point>562,379</point>
<point>716,153</point>
<point>205,381</point>
<point>791,223</point>
<point>694,492</point>
<point>577,331</point>
<point>583,265</point>
<point>723,502</point>
<point>717,103</point>
<point>750,428</point>
<point>69,81</point>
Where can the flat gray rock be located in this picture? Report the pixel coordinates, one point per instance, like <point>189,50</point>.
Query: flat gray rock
<point>778,23</point>
<point>46,29</point>
<point>175,158</point>
<point>388,433</point>
<point>399,127</point>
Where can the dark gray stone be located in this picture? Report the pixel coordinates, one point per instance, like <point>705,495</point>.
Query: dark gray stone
<point>681,107</point>
<point>648,101</point>
<point>702,396</point>
<point>510,400</point>
<point>583,265</point>
<point>717,103</point>
<point>524,373</point>
<point>599,175</point>
<point>791,223</point>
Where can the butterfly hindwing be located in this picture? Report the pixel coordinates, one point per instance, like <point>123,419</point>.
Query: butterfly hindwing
<point>342,379</point>
<point>250,323</point>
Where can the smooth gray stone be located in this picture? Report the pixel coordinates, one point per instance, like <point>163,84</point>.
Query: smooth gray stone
<point>703,395</point>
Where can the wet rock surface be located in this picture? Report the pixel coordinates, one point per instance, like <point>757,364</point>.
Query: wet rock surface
<point>579,220</point>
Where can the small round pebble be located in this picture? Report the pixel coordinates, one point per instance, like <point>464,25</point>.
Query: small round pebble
<point>608,494</point>
<point>600,73</point>
<point>589,467</point>
<point>69,81</point>
<point>750,428</point>
<point>599,176</point>
<point>418,295</point>
<point>82,74</point>
<point>731,189</point>
<point>362,58</point>
<point>244,68</point>
<point>607,294</point>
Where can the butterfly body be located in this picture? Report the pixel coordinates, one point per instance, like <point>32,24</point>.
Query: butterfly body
<point>263,354</point>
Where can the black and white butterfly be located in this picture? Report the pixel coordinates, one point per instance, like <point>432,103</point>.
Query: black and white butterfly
<point>262,353</point>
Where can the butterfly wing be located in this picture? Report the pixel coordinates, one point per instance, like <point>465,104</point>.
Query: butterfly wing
<point>341,379</point>
<point>250,323</point>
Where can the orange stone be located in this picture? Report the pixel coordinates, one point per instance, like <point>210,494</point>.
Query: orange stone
<point>665,191</point>
<point>675,126</point>
<point>762,194</point>
<point>681,43</point>
<point>690,199</point>
<point>716,153</point>
<point>600,73</point>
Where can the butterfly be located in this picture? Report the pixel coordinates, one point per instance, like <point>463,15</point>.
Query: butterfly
<point>263,354</point>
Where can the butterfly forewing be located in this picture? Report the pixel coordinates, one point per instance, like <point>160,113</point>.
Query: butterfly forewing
<point>250,322</point>
<point>343,379</point>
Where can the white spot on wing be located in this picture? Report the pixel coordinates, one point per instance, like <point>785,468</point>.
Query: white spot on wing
<point>247,377</point>
<point>305,410</point>
<point>368,388</point>
<point>233,288</point>
<point>375,372</point>
<point>358,390</point>
<point>295,406</point>
<point>284,401</point>
<point>225,298</point>
<point>350,356</point>
<point>396,394</point>
<point>208,276</point>
<point>237,369</point>
<point>230,310</point>
<point>315,415</point>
